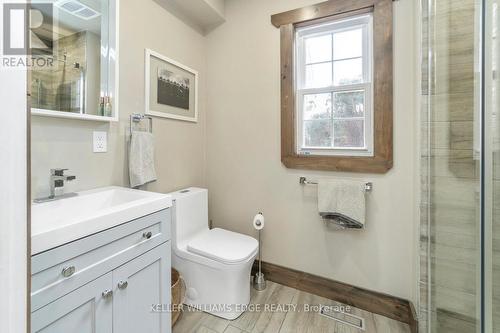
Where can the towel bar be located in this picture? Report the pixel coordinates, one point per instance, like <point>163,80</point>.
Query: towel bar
<point>304,181</point>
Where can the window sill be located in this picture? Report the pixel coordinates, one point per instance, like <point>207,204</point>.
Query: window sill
<point>338,163</point>
<point>336,152</point>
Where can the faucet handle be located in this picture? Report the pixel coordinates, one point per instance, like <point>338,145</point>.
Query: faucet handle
<point>57,172</point>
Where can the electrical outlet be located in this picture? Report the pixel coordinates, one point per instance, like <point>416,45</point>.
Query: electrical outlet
<point>100,142</point>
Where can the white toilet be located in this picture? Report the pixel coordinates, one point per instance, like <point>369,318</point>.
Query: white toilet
<point>214,263</point>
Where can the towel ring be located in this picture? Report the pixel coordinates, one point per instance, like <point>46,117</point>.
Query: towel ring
<point>136,118</point>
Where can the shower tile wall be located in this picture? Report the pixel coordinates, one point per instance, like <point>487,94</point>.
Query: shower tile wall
<point>58,88</point>
<point>449,169</point>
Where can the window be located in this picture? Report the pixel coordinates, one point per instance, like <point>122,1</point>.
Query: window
<point>334,87</point>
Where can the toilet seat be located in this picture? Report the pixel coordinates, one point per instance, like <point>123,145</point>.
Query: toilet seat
<point>223,246</point>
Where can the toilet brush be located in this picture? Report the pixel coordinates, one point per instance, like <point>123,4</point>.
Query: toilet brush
<point>259,282</point>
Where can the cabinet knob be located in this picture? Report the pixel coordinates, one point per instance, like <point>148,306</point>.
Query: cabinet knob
<point>107,294</point>
<point>122,285</point>
<point>147,235</point>
<point>68,271</point>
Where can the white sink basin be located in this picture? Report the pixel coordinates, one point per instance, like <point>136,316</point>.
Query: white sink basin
<point>58,222</point>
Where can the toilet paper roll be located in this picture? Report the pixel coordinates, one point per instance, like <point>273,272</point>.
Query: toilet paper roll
<point>258,221</point>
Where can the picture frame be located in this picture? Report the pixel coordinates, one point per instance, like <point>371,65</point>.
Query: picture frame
<point>171,88</point>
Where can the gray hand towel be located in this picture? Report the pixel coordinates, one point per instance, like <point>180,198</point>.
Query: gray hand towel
<point>342,202</point>
<point>141,159</point>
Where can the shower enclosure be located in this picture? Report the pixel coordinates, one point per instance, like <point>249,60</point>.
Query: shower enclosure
<point>460,171</point>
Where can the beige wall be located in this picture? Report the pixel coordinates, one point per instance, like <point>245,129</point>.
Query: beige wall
<point>245,174</point>
<point>243,170</point>
<point>218,5</point>
<point>180,146</point>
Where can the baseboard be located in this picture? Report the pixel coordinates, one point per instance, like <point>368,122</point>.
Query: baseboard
<point>386,305</point>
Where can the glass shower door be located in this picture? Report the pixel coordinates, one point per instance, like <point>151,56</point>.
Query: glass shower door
<point>491,179</point>
<point>450,265</point>
<point>460,207</point>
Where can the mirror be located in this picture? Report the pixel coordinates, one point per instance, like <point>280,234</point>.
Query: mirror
<point>75,40</point>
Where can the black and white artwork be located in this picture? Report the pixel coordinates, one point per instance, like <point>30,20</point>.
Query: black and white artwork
<point>173,89</point>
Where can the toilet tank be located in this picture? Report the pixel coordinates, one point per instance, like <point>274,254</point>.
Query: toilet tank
<point>190,213</point>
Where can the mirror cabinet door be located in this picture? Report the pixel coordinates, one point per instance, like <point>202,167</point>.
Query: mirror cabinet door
<point>75,59</point>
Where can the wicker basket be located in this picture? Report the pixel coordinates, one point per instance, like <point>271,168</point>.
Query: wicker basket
<point>176,295</point>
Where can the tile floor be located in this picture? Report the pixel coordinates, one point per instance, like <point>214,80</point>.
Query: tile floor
<point>192,321</point>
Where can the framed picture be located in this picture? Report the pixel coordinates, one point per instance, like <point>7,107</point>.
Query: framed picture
<point>171,88</point>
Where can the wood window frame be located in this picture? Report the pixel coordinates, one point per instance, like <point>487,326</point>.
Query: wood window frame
<point>382,159</point>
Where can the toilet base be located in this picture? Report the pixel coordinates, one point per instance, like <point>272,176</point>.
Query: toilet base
<point>222,290</point>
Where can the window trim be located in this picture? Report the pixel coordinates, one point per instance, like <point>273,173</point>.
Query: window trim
<point>288,22</point>
<point>365,22</point>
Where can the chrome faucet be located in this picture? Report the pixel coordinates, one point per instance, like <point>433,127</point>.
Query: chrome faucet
<point>57,180</point>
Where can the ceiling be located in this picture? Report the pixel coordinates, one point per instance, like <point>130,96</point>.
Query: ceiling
<point>202,15</point>
<point>65,24</point>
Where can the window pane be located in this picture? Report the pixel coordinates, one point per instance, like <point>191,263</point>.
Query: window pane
<point>318,49</point>
<point>348,44</point>
<point>349,104</point>
<point>349,133</point>
<point>318,133</point>
<point>348,71</point>
<point>319,75</point>
<point>317,106</point>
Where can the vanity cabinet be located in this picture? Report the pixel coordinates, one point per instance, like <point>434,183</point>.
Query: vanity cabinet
<point>139,290</point>
<point>83,310</point>
<point>111,281</point>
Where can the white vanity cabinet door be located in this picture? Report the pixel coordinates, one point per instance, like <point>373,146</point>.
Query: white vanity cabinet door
<point>139,285</point>
<point>85,310</point>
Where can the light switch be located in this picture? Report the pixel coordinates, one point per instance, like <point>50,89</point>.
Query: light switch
<point>100,142</point>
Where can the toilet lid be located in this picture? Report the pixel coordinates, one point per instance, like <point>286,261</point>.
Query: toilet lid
<point>224,246</point>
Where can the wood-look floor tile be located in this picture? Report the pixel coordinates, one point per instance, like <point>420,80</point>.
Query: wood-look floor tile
<point>247,320</point>
<point>271,321</point>
<point>384,324</point>
<point>193,321</point>
<point>204,329</point>
<point>308,320</point>
<point>232,329</point>
<point>298,321</point>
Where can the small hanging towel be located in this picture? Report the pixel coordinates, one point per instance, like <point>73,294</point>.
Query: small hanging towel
<point>141,159</point>
<point>342,202</point>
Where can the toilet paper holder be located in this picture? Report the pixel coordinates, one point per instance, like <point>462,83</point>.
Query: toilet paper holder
<point>259,282</point>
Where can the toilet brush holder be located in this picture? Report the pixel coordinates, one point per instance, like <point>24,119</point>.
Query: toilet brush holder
<point>259,282</point>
